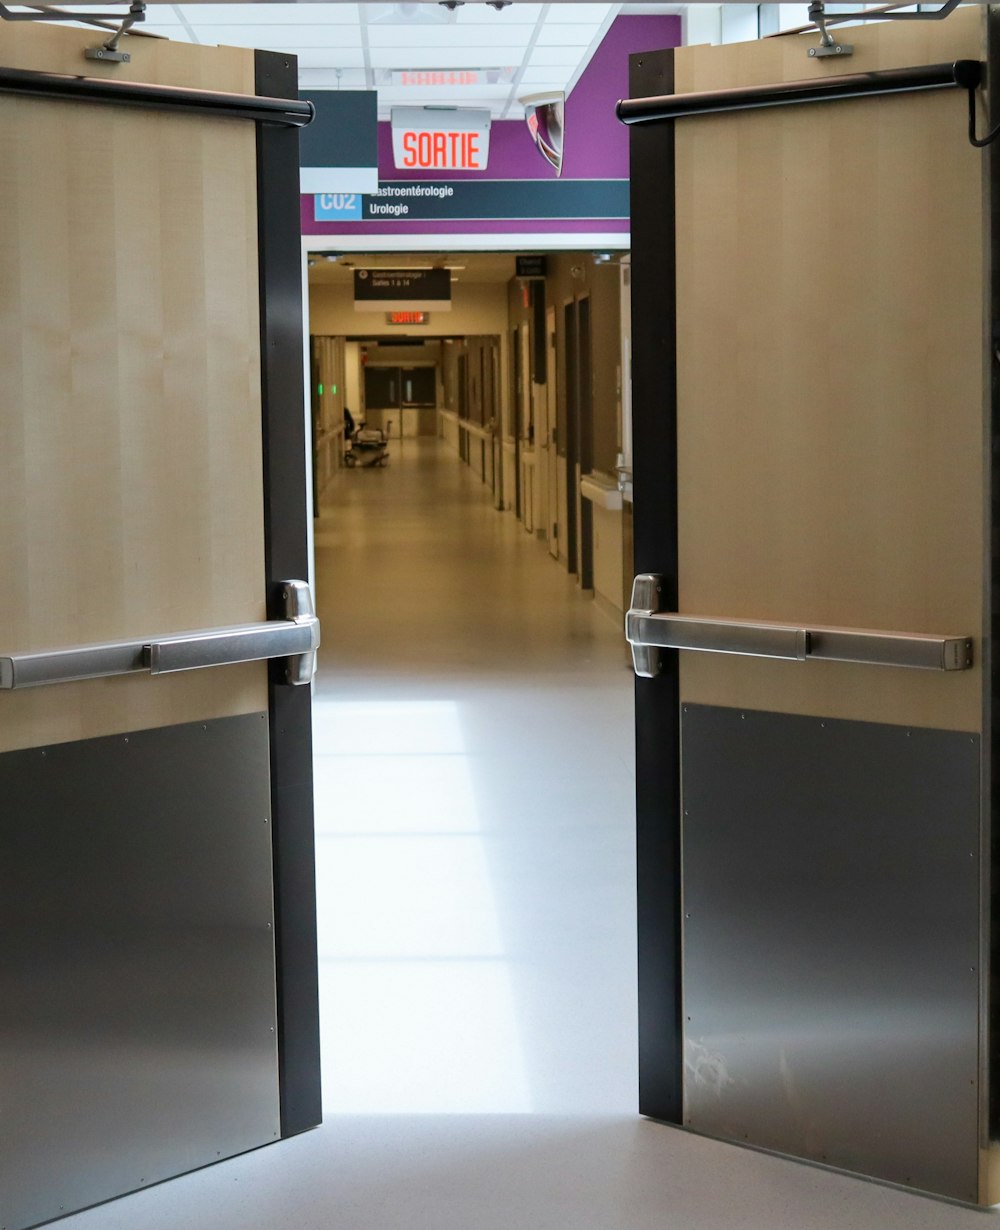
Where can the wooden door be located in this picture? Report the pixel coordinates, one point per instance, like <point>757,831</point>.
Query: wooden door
<point>812,456</point>
<point>157,970</point>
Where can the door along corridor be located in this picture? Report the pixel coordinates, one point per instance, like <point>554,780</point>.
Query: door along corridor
<point>474,809</point>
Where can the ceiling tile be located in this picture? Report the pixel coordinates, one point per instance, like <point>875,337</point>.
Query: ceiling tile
<point>566,35</point>
<point>328,78</point>
<point>584,14</point>
<point>450,39</point>
<point>482,15</point>
<point>271,14</point>
<point>445,57</point>
<point>280,38</point>
<point>555,57</point>
<point>329,58</point>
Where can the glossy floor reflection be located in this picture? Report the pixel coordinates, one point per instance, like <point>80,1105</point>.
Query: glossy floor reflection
<point>474,814</point>
<point>473,727</point>
<point>409,919</point>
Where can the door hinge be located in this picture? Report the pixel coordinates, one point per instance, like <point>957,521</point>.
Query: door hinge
<point>555,529</point>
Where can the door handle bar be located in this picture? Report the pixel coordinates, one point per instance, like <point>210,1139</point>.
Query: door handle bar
<point>648,629</point>
<point>296,637</point>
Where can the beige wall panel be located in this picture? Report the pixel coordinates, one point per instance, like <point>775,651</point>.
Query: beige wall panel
<point>600,282</point>
<point>830,375</point>
<point>130,441</point>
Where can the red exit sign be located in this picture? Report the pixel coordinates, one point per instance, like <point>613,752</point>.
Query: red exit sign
<point>441,151</point>
<point>438,76</point>
<point>440,138</point>
<point>407,318</point>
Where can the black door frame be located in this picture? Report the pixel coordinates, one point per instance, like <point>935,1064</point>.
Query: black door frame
<point>286,547</point>
<point>278,114</point>
<point>657,701</point>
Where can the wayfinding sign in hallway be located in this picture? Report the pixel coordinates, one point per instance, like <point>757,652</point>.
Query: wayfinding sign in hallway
<point>462,199</point>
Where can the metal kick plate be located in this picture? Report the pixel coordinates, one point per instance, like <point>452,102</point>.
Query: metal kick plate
<point>137,975</point>
<point>831,942</point>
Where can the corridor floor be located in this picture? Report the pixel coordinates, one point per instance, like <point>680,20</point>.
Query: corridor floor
<point>475,868</point>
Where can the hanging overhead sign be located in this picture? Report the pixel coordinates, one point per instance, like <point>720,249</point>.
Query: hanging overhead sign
<point>440,138</point>
<point>338,151</point>
<point>529,267</point>
<point>402,200</point>
<point>382,290</point>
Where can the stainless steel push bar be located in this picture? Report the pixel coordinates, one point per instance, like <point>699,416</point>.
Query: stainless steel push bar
<point>296,637</point>
<point>648,629</point>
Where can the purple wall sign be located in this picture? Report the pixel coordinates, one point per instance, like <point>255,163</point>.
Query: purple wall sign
<point>596,148</point>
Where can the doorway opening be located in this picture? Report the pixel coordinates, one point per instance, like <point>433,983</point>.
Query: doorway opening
<point>473,707</point>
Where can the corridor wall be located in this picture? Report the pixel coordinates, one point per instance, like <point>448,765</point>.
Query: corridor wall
<point>471,416</point>
<point>328,397</point>
<point>571,278</point>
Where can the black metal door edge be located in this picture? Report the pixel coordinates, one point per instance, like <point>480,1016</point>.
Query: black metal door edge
<point>287,556</point>
<point>654,408</point>
<point>990,861</point>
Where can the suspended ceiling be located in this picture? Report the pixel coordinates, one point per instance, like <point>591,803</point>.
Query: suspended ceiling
<point>416,53</point>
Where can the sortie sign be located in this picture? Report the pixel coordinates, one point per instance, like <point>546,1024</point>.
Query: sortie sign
<point>440,138</point>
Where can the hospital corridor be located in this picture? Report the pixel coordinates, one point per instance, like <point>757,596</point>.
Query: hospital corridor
<point>499,598</point>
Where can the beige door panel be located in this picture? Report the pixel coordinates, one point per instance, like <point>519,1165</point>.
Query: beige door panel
<point>130,421</point>
<point>830,425</point>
